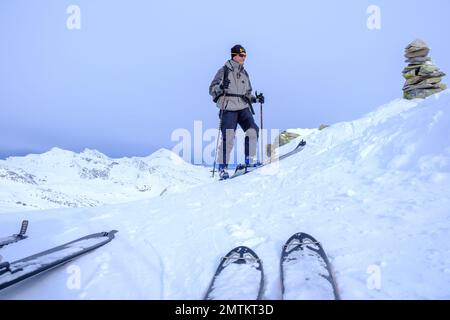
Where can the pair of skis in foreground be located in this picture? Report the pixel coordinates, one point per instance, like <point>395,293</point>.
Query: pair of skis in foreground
<point>305,271</point>
<point>12,273</point>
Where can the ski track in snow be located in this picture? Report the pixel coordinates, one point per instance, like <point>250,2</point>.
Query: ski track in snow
<point>375,192</point>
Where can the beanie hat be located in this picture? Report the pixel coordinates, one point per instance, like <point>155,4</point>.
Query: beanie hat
<point>237,49</point>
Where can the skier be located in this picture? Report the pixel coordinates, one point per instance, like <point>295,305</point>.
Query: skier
<point>232,91</point>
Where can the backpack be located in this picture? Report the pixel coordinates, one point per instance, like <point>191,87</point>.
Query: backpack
<point>225,76</point>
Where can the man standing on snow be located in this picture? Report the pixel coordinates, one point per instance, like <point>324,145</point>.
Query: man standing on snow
<point>232,92</point>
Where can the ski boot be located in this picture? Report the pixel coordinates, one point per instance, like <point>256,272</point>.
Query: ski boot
<point>250,163</point>
<point>223,172</point>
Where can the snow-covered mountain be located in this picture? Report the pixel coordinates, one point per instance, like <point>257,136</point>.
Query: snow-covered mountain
<point>375,192</point>
<point>61,178</point>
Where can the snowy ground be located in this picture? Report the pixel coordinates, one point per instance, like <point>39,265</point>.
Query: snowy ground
<point>374,191</point>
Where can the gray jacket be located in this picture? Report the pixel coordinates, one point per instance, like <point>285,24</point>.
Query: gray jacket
<point>239,85</point>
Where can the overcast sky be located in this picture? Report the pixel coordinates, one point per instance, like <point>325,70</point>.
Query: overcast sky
<point>137,70</point>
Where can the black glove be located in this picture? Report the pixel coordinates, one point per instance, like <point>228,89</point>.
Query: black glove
<point>225,84</point>
<point>259,97</point>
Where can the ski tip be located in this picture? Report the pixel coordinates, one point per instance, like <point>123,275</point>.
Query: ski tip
<point>110,234</point>
<point>301,239</point>
<point>23,228</point>
<point>242,249</point>
<point>243,252</point>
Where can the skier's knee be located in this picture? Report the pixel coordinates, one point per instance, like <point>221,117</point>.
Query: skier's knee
<point>252,132</point>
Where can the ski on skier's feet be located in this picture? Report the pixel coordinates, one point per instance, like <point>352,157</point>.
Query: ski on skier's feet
<point>243,169</point>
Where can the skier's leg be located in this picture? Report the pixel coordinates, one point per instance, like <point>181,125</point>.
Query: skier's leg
<point>228,129</point>
<point>251,130</point>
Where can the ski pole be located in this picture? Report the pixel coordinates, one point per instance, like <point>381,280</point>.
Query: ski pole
<point>262,133</point>
<point>217,142</point>
<point>222,109</point>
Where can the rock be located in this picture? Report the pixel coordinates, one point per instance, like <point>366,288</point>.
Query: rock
<point>283,138</point>
<point>415,80</point>
<point>414,63</point>
<point>422,93</point>
<point>412,67</point>
<point>430,71</point>
<point>432,80</point>
<point>418,60</point>
<point>428,68</point>
<point>409,74</point>
<point>418,43</point>
<point>286,137</point>
<point>437,74</point>
<point>419,53</point>
<point>420,86</point>
<point>423,80</point>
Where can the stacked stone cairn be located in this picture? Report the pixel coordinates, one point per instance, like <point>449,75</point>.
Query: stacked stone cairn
<point>423,78</point>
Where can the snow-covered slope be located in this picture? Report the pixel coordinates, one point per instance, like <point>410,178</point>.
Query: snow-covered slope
<point>61,178</point>
<point>374,191</point>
